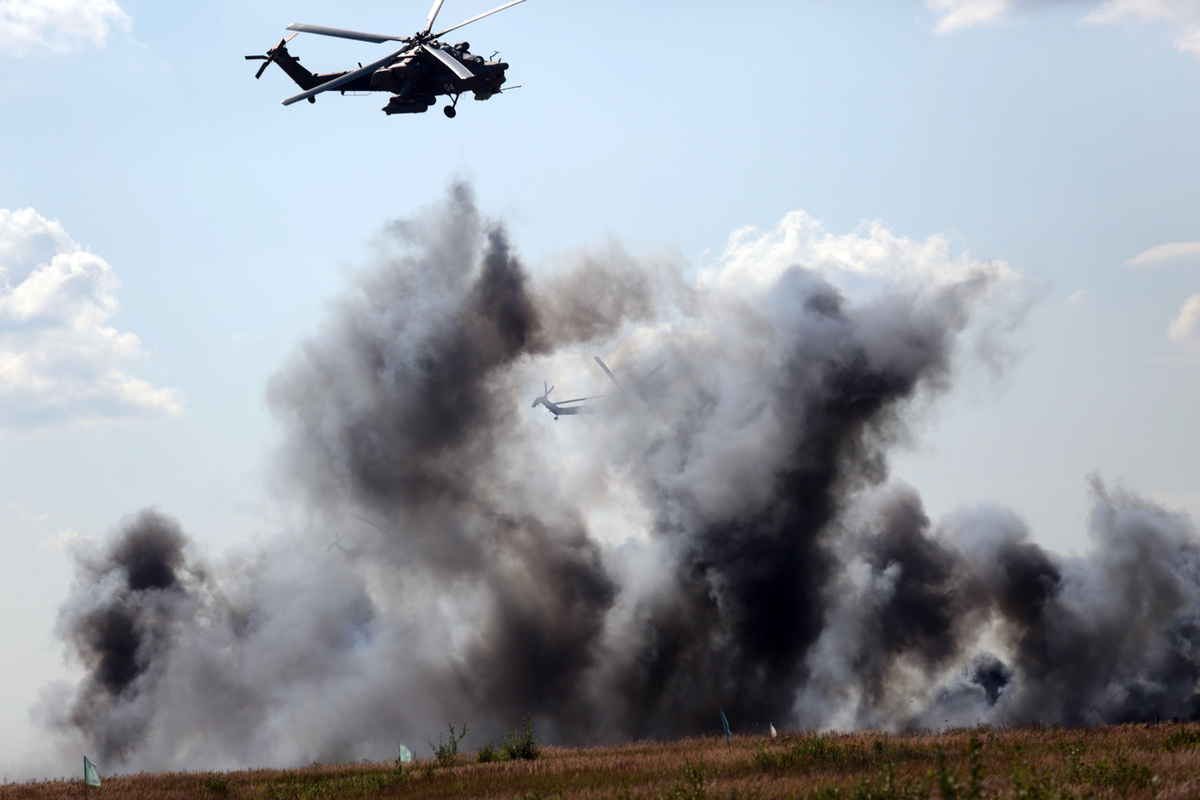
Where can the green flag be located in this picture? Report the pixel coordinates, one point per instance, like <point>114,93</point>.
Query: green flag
<point>405,754</point>
<point>91,775</point>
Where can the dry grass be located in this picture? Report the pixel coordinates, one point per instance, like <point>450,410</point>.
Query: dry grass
<point>1160,761</point>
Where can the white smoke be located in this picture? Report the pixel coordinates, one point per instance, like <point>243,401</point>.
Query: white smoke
<point>727,534</point>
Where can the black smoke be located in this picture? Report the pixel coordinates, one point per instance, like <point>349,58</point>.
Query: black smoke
<point>130,598</point>
<point>727,534</point>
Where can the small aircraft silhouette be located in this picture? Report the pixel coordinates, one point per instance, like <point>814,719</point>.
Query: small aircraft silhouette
<point>564,407</point>
<point>414,75</point>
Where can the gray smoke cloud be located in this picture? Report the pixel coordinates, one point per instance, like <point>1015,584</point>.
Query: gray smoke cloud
<point>725,534</point>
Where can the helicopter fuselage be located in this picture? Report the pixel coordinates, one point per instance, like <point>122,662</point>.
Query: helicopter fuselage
<point>414,80</point>
<point>414,75</point>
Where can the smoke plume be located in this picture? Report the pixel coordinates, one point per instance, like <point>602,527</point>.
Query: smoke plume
<point>725,533</point>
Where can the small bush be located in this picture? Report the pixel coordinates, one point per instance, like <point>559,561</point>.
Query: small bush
<point>216,784</point>
<point>1118,773</point>
<point>1031,783</point>
<point>948,783</point>
<point>447,753</point>
<point>1182,739</point>
<point>695,785</point>
<point>522,745</point>
<point>489,753</point>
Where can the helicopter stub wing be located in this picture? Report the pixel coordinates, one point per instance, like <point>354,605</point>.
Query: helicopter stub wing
<point>452,63</point>
<point>377,38</point>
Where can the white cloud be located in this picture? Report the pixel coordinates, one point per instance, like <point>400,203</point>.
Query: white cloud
<point>58,25</point>
<point>853,262</point>
<point>59,362</point>
<point>1184,330</point>
<point>1182,15</point>
<point>957,14</point>
<point>1076,299</point>
<point>1165,252</point>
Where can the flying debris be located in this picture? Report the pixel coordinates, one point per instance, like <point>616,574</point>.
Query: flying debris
<point>567,407</point>
<point>414,75</point>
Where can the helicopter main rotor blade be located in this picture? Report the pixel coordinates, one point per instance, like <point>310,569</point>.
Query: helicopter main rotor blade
<point>607,372</point>
<point>580,399</point>
<point>347,78</point>
<point>433,12</point>
<point>452,63</point>
<point>475,19</point>
<point>377,38</point>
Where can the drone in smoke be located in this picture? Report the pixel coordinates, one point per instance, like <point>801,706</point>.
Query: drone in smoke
<point>568,407</point>
<point>414,75</point>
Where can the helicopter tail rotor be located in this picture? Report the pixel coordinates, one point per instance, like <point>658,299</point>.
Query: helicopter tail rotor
<point>545,398</point>
<point>271,56</point>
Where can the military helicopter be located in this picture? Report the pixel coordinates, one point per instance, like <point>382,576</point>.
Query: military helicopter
<point>414,75</point>
<point>565,408</point>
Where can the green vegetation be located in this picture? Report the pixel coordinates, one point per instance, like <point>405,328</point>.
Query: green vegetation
<point>522,745</point>
<point>1186,737</point>
<point>446,753</point>
<point>488,754</point>
<point>1131,761</point>
<point>216,784</point>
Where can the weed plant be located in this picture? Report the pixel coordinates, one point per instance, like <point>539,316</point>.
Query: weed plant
<point>524,745</point>
<point>446,753</point>
<point>488,754</point>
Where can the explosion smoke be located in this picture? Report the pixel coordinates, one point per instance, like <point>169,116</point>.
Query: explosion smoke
<point>725,534</point>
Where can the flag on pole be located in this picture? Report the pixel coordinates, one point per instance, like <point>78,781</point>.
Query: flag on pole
<point>725,722</point>
<point>91,775</point>
<point>405,754</point>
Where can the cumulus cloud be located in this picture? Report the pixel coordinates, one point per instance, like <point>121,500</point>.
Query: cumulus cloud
<point>1182,15</point>
<point>58,25</point>
<point>1184,330</point>
<point>956,14</point>
<point>59,361</point>
<point>1165,252</point>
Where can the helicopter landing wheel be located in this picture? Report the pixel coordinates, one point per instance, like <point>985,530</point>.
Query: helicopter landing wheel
<point>450,112</point>
<point>312,99</point>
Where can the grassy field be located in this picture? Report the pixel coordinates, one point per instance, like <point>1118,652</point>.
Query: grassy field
<point>1161,761</point>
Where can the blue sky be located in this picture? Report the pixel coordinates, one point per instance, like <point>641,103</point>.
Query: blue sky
<point>169,232</point>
